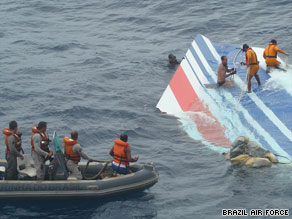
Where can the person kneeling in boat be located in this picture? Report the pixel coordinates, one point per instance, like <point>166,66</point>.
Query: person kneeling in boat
<point>73,154</point>
<point>270,56</point>
<point>222,73</point>
<point>40,149</point>
<point>13,148</point>
<point>121,152</point>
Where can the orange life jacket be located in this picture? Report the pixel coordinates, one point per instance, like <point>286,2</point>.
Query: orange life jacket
<point>44,145</point>
<point>270,55</point>
<point>7,132</point>
<point>251,57</point>
<point>270,51</point>
<point>68,148</point>
<point>120,156</point>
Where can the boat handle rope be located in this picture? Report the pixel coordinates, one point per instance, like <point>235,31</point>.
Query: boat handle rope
<point>105,164</point>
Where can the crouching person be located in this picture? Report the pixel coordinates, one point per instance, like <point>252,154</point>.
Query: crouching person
<point>121,153</point>
<point>73,154</point>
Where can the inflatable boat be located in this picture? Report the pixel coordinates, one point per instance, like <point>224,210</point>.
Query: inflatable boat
<point>142,176</point>
<point>99,180</point>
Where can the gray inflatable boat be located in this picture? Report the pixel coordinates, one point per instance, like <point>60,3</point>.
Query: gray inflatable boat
<point>107,184</point>
<point>99,179</point>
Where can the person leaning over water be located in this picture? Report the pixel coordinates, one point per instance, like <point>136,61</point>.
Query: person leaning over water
<point>270,55</point>
<point>73,154</point>
<point>13,148</point>
<point>40,149</point>
<point>121,152</point>
<point>252,63</point>
<point>222,69</point>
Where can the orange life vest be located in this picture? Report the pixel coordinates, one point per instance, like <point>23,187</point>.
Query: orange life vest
<point>120,156</point>
<point>251,57</point>
<point>44,145</point>
<point>7,132</point>
<point>270,51</point>
<point>68,148</point>
<point>270,55</point>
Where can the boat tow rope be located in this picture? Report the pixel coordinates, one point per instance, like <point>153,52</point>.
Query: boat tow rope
<point>287,61</point>
<point>243,89</point>
<point>234,62</point>
<point>290,161</point>
<point>105,164</point>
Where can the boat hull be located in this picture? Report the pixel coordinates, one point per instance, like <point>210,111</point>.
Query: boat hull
<point>145,177</point>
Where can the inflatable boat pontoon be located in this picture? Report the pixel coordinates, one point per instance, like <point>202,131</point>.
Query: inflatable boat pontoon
<point>142,177</point>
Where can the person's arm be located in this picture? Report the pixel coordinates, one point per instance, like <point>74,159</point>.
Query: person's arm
<point>77,148</point>
<point>37,145</point>
<point>11,145</point>
<point>222,73</point>
<point>264,54</point>
<point>232,72</point>
<point>227,75</point>
<point>281,51</point>
<point>129,155</point>
<point>230,69</point>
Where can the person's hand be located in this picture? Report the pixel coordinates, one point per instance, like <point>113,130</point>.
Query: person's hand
<point>50,153</point>
<point>21,157</point>
<point>242,63</point>
<point>287,54</point>
<point>232,69</point>
<point>136,159</point>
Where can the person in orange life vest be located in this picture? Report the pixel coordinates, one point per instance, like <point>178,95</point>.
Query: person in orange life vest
<point>13,148</point>
<point>121,152</point>
<point>252,64</point>
<point>270,56</point>
<point>40,149</point>
<point>73,154</point>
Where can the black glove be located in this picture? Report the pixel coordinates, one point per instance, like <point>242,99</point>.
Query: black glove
<point>233,73</point>
<point>232,69</point>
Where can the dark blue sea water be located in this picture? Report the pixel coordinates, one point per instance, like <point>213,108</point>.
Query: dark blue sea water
<point>100,67</point>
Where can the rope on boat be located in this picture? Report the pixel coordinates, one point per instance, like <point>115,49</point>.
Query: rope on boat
<point>94,177</point>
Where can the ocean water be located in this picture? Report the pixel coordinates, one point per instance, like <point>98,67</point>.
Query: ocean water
<point>100,67</point>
